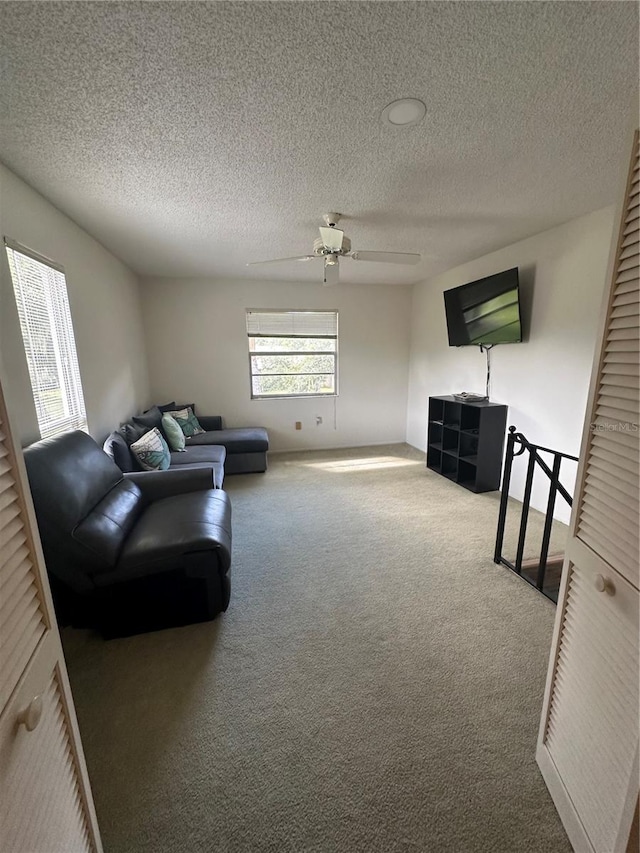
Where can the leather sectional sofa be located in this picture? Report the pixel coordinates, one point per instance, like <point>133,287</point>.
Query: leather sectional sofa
<point>128,552</point>
<point>240,450</point>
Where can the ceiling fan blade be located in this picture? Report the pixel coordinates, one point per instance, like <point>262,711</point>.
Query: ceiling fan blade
<point>331,272</point>
<point>331,238</point>
<point>281,260</point>
<point>387,257</point>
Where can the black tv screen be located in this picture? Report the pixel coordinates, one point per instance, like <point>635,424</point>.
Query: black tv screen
<point>486,311</point>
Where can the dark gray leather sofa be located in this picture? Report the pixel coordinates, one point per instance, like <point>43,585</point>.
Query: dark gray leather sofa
<point>240,450</point>
<point>128,552</point>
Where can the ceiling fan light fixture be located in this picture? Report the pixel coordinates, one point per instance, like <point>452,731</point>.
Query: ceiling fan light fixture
<point>404,112</point>
<point>332,244</point>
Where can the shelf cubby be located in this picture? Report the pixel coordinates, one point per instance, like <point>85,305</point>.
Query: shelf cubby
<point>449,465</point>
<point>466,473</point>
<point>468,445</point>
<point>470,418</point>
<point>437,413</point>
<point>452,414</point>
<point>450,438</point>
<point>434,458</point>
<point>435,433</point>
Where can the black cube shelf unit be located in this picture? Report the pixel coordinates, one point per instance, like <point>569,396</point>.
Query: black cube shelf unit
<point>465,442</point>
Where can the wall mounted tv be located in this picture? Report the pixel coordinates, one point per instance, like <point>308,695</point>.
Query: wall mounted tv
<point>486,311</point>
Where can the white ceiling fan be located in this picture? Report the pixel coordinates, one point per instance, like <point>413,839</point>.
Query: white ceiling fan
<point>332,244</point>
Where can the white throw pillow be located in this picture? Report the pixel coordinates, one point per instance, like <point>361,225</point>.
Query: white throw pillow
<point>152,451</point>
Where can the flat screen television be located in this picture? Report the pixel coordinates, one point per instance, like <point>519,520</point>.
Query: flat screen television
<point>486,311</point>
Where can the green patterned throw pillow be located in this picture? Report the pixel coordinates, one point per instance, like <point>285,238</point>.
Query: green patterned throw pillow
<point>175,436</point>
<point>187,421</point>
<point>152,451</point>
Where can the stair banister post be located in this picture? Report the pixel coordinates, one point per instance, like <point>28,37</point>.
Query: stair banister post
<point>504,497</point>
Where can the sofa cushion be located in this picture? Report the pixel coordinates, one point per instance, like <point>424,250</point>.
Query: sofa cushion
<point>132,432</point>
<point>175,436</point>
<point>210,453</point>
<point>168,528</point>
<point>168,407</point>
<point>117,448</point>
<point>212,456</point>
<point>150,419</point>
<point>210,422</point>
<point>108,524</point>
<point>241,440</point>
<point>187,421</point>
<point>152,451</point>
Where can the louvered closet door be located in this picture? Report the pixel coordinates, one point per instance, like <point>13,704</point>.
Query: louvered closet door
<point>45,800</point>
<point>609,507</point>
<point>588,744</point>
<point>22,619</point>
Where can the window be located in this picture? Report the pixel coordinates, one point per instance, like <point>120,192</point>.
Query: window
<point>45,320</point>
<point>292,353</point>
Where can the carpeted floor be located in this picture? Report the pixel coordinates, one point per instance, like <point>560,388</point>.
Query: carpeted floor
<point>375,685</point>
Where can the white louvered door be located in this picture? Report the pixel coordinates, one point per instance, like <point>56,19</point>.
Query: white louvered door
<point>588,742</point>
<point>45,799</point>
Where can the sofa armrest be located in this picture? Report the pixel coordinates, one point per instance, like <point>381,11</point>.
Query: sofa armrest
<point>156,485</point>
<point>210,423</point>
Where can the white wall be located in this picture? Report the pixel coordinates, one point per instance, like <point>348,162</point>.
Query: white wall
<point>545,380</point>
<point>194,338</point>
<point>105,310</point>
<point>197,348</point>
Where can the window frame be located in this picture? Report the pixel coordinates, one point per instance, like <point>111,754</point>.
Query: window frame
<point>59,329</point>
<point>280,311</point>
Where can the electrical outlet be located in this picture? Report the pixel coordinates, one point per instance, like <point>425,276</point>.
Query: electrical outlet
<point>318,420</point>
<point>298,424</point>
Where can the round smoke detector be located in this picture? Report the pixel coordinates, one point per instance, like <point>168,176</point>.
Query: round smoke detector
<point>404,112</point>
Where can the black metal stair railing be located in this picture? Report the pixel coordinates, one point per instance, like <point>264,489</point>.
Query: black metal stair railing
<point>517,444</point>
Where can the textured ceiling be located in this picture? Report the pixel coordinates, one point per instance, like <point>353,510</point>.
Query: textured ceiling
<point>193,137</point>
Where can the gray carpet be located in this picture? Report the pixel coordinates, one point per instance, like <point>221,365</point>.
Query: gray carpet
<point>375,685</point>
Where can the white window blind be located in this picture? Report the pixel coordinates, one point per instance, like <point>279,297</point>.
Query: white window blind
<point>304,324</point>
<point>293,353</point>
<point>45,320</point>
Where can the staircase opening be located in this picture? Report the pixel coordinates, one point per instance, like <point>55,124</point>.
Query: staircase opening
<point>540,565</point>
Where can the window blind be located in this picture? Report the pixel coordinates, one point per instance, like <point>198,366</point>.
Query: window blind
<point>292,324</point>
<point>47,332</point>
